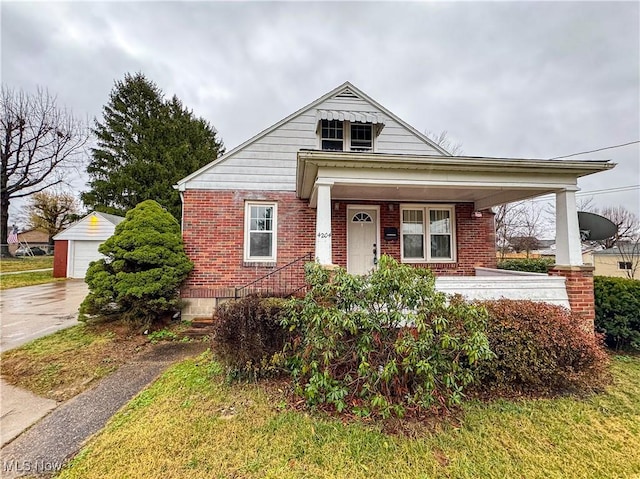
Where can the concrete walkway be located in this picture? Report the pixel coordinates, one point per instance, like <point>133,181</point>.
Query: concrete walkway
<point>50,443</point>
<point>19,410</point>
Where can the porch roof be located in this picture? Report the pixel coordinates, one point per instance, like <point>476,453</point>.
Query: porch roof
<point>486,182</point>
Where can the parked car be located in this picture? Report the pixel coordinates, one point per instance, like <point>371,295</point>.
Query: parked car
<point>30,251</point>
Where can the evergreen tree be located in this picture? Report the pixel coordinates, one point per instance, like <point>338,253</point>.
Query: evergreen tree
<point>145,145</point>
<point>144,266</point>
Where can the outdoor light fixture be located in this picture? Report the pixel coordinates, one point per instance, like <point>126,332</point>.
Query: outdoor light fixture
<point>477,214</point>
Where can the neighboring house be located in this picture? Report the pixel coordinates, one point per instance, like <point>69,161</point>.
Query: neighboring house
<point>344,180</point>
<point>77,246</point>
<point>621,261</point>
<point>31,238</point>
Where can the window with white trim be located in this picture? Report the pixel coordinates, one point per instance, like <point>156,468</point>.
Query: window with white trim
<point>337,135</point>
<point>332,132</point>
<point>427,233</point>
<point>625,265</point>
<point>361,137</point>
<point>260,231</point>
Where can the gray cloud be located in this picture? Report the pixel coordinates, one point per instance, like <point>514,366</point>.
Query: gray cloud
<point>518,79</point>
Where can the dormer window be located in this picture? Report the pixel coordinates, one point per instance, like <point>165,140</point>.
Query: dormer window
<point>338,135</point>
<point>332,135</point>
<point>361,137</point>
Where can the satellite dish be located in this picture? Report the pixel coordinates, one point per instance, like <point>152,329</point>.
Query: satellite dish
<point>595,227</point>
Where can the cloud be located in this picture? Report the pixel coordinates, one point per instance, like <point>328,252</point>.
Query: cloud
<point>515,79</point>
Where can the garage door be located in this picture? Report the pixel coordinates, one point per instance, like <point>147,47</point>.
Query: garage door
<point>84,252</point>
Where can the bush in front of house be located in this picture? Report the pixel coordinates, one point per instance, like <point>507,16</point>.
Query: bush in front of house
<point>539,348</point>
<point>248,338</point>
<point>383,343</point>
<point>530,265</point>
<point>144,265</point>
<point>618,311</point>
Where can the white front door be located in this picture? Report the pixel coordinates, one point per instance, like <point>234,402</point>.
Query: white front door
<point>362,239</point>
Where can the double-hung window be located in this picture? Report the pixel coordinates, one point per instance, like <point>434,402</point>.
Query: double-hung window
<point>260,231</point>
<point>427,233</point>
<point>338,135</point>
<point>361,137</point>
<point>332,135</point>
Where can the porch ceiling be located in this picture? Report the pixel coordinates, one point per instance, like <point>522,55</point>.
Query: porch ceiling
<point>486,182</point>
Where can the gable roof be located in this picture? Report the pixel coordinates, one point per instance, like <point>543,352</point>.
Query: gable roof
<point>346,90</point>
<point>78,229</point>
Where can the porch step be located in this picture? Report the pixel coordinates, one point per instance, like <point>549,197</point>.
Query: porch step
<point>200,328</point>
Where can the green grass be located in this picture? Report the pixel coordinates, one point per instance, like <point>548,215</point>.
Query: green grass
<point>13,265</point>
<point>67,362</point>
<point>192,424</point>
<point>19,280</point>
<point>10,265</point>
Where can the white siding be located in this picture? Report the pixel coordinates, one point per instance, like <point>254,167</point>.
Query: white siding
<point>269,163</point>
<point>91,227</point>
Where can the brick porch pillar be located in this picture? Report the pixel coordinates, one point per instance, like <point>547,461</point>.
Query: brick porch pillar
<point>579,284</point>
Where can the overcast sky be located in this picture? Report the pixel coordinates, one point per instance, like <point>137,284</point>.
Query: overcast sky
<point>514,79</point>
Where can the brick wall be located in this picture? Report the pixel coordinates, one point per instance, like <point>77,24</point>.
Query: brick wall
<point>579,284</point>
<point>213,230</point>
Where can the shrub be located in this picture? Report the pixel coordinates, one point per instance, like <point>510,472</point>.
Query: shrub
<point>540,348</point>
<point>247,336</point>
<point>380,344</point>
<point>618,311</point>
<point>531,265</point>
<point>145,263</point>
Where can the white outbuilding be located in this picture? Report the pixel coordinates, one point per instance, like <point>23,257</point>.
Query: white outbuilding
<point>77,246</point>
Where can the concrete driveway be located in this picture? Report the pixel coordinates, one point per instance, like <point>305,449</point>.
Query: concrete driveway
<point>34,311</point>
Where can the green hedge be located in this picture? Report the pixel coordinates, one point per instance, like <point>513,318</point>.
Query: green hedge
<point>618,311</point>
<point>531,265</point>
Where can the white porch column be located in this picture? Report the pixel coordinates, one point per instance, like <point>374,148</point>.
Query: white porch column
<point>323,224</point>
<point>568,244</point>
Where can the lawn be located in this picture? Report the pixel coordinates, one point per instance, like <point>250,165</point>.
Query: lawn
<point>13,265</point>
<point>10,265</point>
<point>192,424</point>
<point>67,362</point>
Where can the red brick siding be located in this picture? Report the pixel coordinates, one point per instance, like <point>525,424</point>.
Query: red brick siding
<point>579,284</point>
<point>60,251</point>
<point>475,238</point>
<point>213,230</point>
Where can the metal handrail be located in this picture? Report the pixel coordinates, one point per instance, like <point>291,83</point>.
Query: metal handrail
<point>270,280</point>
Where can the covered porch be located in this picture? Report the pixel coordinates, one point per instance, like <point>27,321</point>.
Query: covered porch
<point>435,212</point>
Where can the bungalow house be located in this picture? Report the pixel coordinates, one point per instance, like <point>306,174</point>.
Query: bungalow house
<point>344,180</point>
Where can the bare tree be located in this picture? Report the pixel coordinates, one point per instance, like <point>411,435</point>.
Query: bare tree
<point>627,238</point>
<point>626,221</point>
<point>518,227</point>
<point>442,140</point>
<point>39,142</point>
<point>51,211</point>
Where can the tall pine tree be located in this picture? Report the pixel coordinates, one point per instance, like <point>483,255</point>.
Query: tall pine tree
<point>145,145</point>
